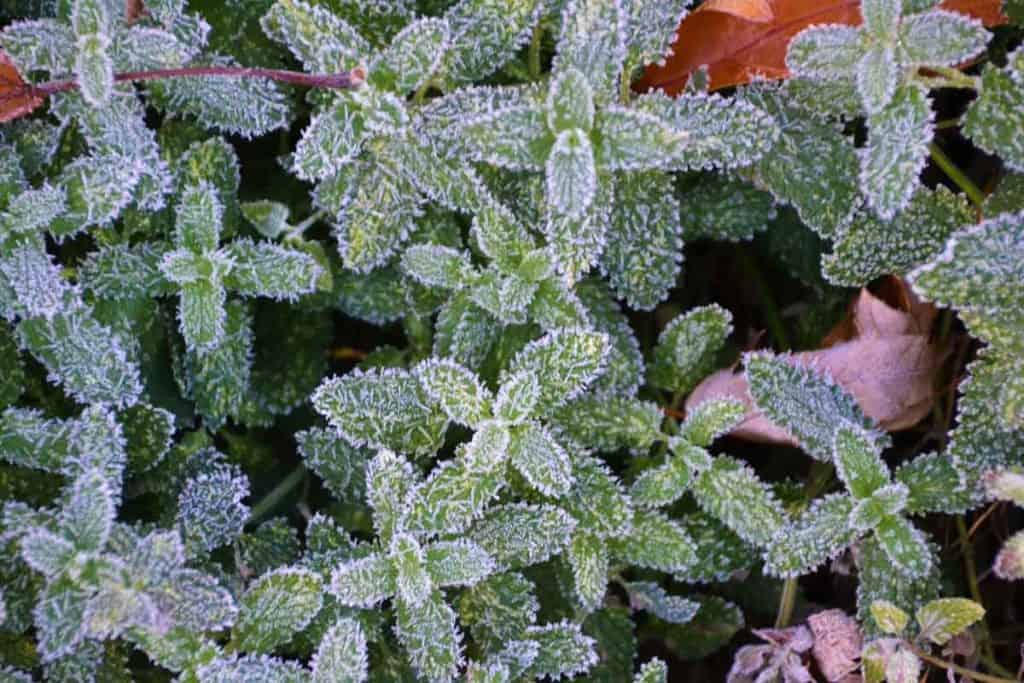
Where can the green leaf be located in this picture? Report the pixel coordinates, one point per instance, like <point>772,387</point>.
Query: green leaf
<point>565,362</point>
<point>905,546</point>
<point>430,637</point>
<point>896,151</point>
<point>632,140</point>
<point>519,535</point>
<point>878,581</point>
<point>484,36</point>
<point>341,656</point>
<point>266,269</point>
<point>597,501</point>
<point>654,671</point>
<point>458,491</point>
<point>655,542</point>
<point>644,254</point>
<point>649,596</point>
<point>353,404</point>
<point>389,478</point>
<point>650,29</point>
<point>825,52</point>
<point>59,617</point>
<point>498,609</point>
<point>890,618</point>
<point>663,485</point>
<point>120,272</point>
<point>858,462</point>
<point>322,41</point>
<point>46,552</point>
<point>588,557</point>
<point>722,208</point>
<point>458,563</point>
<point>434,265</point>
<point>593,42</point>
<point>994,117</point>
<point>88,515</point>
<point>732,492</point>
<point>542,461</point>
<point>515,138</point>
<point>933,484</point>
<point>276,606</point>
<point>571,174</point>
<point>564,650</point>
<point>210,508</point>
<point>364,582</point>
<point>942,619</point>
<point>94,70</point>
<point>414,56</point>
<point>820,533</point>
<point>576,243</point>
<point>608,423</point>
<point>570,102</point>
<point>688,347</point>
<point>804,401</point>
<point>942,38</point>
<point>870,248</point>
<point>252,669</point>
<point>877,75</point>
<point>711,419</point>
<point>269,218</point>
<point>413,583</point>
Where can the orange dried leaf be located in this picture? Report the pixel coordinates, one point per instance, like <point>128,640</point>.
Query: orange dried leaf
<point>881,354</point>
<point>16,97</point>
<point>741,40</point>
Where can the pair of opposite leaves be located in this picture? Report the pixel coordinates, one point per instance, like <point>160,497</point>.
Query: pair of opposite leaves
<point>739,41</point>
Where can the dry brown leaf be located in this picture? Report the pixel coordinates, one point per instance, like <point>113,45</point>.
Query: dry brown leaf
<point>133,10</point>
<point>881,353</point>
<point>16,98</point>
<point>837,643</point>
<point>741,40</point>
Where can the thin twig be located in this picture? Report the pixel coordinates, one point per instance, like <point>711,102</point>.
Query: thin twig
<point>270,501</point>
<point>974,675</point>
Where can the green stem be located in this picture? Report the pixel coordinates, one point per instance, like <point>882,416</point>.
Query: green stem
<point>768,307</point>
<point>533,56</point>
<point>297,231</point>
<point>961,180</point>
<point>971,674</point>
<point>786,602</point>
<point>957,78</point>
<point>270,501</point>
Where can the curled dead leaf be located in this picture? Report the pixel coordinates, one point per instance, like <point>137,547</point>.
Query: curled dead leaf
<point>837,643</point>
<point>881,353</point>
<point>17,98</point>
<point>743,40</point>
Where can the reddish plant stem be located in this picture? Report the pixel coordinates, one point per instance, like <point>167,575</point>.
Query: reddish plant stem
<point>347,79</point>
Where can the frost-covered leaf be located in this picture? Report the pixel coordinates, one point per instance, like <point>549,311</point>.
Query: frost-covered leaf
<point>896,151</point>
<point>413,57</point>
<point>435,265</point>
<point>430,637</point>
<point>870,247</point>
<point>412,581</point>
<point>333,138</point>
<point>515,138</point>
<point>46,552</point>
<point>820,533</point>
<point>35,281</point>
<point>364,582</point>
<point>266,269</point>
<point>564,362</point>
<point>321,40</point>
<point>252,669</point>
<point>570,102</point>
<point>593,42</point>
<point>993,118</point>
<point>905,545</point>
<point>654,671</point>
<point>576,243</point>
<point>457,390</point>
<point>688,347</point>
<point>389,478</point>
<point>608,423</point>
<point>804,401</point>
<point>588,558</point>
<point>632,140</point>
<point>877,76</point>
<point>941,38</point>
<point>655,542</point>
<point>518,535</point>
<point>39,45</point>
<point>120,272</point>
<point>824,52</point>
<point>276,606</point>
<point>542,461</point>
<point>571,174</point>
<point>878,581</point>
<point>662,485</point>
<point>457,492</point>
<point>710,419</point>
<point>499,608</point>
<point>94,69</point>
<point>644,254</point>
<point>353,405</point>
<point>723,208</point>
<point>650,28</point>
<point>88,515</point>
<point>564,650</point>
<point>649,596</point>
<point>59,617</point>
<point>858,462</point>
<point>247,107</point>
<point>210,508</point>
<point>732,492</point>
<point>341,657</point>
<point>597,500</point>
<point>457,563</point>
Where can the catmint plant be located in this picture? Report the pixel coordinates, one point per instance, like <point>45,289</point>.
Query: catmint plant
<point>347,340</point>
